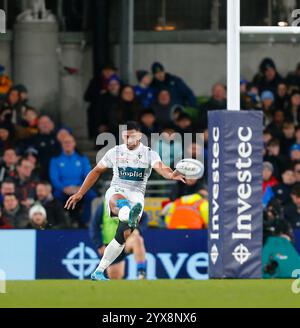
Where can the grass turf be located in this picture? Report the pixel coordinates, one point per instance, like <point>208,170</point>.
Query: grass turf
<point>155,293</point>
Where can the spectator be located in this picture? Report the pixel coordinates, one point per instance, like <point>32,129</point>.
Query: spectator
<point>67,173</point>
<point>105,110</point>
<point>14,214</point>
<point>31,154</point>
<point>13,106</point>
<point>128,108</point>
<point>292,208</point>
<point>7,187</point>
<point>23,92</point>
<point>268,179</point>
<point>276,126</point>
<point>275,157</point>
<point>268,78</point>
<point>148,122</point>
<point>38,218</point>
<point>282,191</point>
<point>295,153</point>
<point>56,216</point>
<point>163,107</point>
<point>282,98</point>
<point>184,124</point>
<point>180,93</point>
<point>288,138</point>
<point>216,101</point>
<point>250,99</point>
<point>45,143</point>
<point>30,120</point>
<point>143,91</point>
<point>293,112</point>
<point>62,133</point>
<point>7,139</point>
<point>267,99</point>
<point>25,183</point>
<point>101,104</point>
<point>5,82</point>
<point>293,78</point>
<point>8,164</point>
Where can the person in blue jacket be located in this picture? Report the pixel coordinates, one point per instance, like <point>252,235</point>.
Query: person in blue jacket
<point>67,173</point>
<point>181,94</point>
<point>102,230</point>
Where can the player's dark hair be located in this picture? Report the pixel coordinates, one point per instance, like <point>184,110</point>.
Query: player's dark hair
<point>133,125</point>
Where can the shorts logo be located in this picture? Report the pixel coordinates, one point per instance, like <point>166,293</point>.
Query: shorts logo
<point>130,173</point>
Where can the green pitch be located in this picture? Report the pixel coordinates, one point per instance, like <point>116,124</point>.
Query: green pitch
<point>159,293</point>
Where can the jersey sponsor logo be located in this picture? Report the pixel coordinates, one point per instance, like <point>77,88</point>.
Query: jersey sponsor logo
<point>130,173</point>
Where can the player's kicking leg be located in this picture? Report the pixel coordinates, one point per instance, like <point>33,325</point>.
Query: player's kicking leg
<point>128,221</point>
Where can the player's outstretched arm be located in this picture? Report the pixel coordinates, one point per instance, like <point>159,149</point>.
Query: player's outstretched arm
<point>167,173</point>
<point>89,181</point>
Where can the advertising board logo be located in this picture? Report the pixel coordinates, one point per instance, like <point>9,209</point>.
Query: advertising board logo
<point>81,261</point>
<point>214,254</point>
<point>241,254</point>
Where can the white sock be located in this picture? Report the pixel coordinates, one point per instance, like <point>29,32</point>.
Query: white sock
<point>112,251</point>
<point>124,214</point>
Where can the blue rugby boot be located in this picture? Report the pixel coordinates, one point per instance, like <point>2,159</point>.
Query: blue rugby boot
<point>97,275</point>
<point>133,219</point>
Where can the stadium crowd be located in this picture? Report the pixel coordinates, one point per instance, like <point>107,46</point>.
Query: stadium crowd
<point>41,166</point>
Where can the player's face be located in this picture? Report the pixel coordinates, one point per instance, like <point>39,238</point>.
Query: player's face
<point>131,138</point>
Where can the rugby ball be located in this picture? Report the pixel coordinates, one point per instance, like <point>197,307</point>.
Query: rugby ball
<point>190,168</point>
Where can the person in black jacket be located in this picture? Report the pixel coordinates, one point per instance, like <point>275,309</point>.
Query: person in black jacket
<point>180,92</point>
<point>292,208</point>
<point>102,229</point>
<point>56,216</point>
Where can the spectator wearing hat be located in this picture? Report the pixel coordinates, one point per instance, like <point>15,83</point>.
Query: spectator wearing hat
<point>292,208</point>
<point>148,123</point>
<point>5,82</point>
<point>267,78</point>
<point>56,216</point>
<point>107,109</point>
<point>143,91</point>
<point>14,214</point>
<point>293,111</point>
<point>38,218</point>
<point>101,103</point>
<point>180,92</point>
<point>24,95</point>
<point>268,178</point>
<point>295,153</point>
<point>267,99</point>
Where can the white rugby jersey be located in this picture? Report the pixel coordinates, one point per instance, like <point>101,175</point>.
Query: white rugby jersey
<point>131,168</point>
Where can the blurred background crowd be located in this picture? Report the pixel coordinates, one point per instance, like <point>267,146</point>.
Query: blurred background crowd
<point>41,165</point>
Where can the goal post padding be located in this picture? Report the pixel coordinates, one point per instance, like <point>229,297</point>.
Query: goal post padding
<point>235,193</point>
